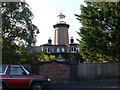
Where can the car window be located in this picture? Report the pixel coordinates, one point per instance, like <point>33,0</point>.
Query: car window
<point>2,69</point>
<point>16,71</point>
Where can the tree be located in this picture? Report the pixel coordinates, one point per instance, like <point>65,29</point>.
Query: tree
<point>17,29</point>
<point>42,57</point>
<point>100,32</point>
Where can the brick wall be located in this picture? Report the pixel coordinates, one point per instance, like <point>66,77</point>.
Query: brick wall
<point>59,73</point>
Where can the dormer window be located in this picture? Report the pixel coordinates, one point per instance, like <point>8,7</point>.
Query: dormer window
<point>73,49</point>
<point>63,50</point>
<point>58,49</point>
<point>52,50</point>
<point>47,50</point>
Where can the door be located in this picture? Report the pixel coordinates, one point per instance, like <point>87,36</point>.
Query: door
<point>17,79</point>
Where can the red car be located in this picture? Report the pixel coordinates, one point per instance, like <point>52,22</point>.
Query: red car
<point>17,76</point>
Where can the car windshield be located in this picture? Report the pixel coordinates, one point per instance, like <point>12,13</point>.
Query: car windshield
<point>2,69</point>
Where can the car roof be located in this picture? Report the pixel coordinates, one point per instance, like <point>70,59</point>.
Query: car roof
<point>9,64</point>
<point>12,65</point>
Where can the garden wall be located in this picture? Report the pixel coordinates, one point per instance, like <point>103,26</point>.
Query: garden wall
<point>66,73</point>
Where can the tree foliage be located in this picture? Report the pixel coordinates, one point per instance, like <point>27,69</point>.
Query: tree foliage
<point>17,29</point>
<point>100,32</point>
<point>31,57</point>
<point>45,58</point>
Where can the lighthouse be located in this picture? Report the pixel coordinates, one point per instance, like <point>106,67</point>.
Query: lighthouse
<point>61,39</point>
<point>61,36</point>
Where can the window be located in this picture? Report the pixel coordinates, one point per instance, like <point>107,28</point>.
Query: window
<point>42,49</point>
<point>16,71</point>
<point>47,50</point>
<point>72,49</point>
<point>58,49</point>
<point>3,69</point>
<point>75,49</point>
<point>52,50</point>
<point>63,50</point>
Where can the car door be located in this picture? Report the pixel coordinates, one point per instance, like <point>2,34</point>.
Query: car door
<point>17,79</point>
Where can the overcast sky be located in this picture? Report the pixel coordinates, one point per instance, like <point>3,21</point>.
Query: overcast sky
<point>45,16</point>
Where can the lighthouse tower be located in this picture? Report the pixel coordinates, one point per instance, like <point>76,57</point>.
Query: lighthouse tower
<point>61,31</point>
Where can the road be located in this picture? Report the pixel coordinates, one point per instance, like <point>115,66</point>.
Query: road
<point>88,86</point>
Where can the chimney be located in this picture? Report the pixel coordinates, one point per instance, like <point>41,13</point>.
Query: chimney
<point>49,41</point>
<point>71,40</point>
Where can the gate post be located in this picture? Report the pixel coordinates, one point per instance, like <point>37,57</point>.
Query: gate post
<point>73,68</point>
